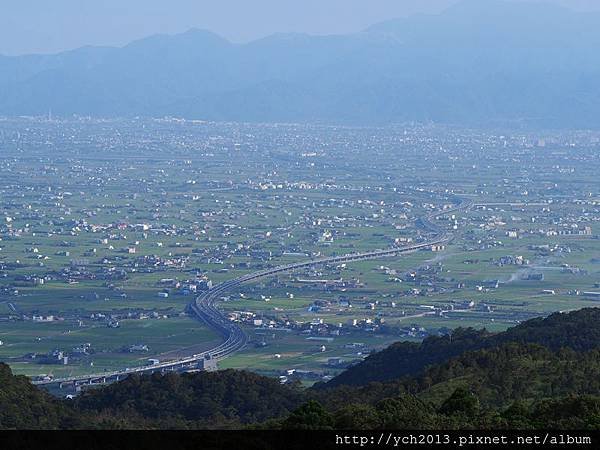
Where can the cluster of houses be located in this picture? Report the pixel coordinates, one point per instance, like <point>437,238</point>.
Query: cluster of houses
<point>56,356</point>
<point>186,287</point>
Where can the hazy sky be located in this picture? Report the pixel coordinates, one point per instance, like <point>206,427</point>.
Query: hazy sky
<point>45,26</point>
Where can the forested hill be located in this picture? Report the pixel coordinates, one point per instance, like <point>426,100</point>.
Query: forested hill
<point>23,406</point>
<point>511,386</point>
<point>224,399</point>
<point>578,330</point>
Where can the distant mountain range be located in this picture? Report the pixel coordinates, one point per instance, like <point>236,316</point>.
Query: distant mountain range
<point>481,62</point>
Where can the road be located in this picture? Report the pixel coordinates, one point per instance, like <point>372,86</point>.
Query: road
<point>204,306</point>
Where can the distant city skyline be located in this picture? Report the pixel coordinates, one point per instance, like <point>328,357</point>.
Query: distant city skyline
<point>34,26</point>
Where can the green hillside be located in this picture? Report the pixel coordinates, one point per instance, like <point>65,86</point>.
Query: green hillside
<point>577,330</point>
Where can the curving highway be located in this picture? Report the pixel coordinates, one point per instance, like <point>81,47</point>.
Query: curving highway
<point>204,306</point>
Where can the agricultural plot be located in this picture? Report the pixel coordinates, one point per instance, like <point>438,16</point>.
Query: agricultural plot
<point>110,229</point>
